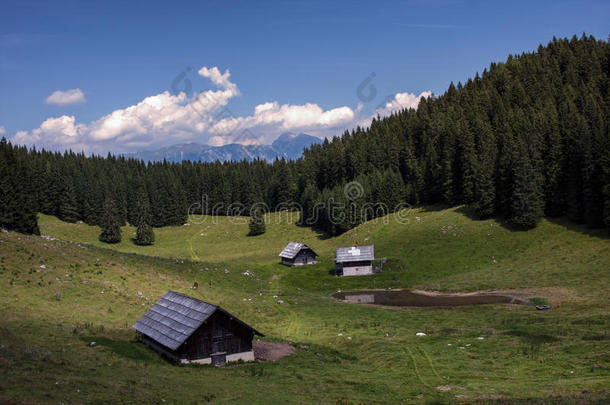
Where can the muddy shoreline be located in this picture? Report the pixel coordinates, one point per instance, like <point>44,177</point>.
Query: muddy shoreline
<point>419,298</point>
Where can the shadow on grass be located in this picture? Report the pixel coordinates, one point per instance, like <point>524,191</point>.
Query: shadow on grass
<point>132,350</point>
<point>561,221</point>
<point>531,337</point>
<point>471,214</point>
<point>581,228</point>
<point>433,208</point>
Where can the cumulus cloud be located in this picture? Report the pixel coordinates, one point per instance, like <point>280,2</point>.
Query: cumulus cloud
<point>219,79</point>
<point>167,118</point>
<point>401,101</point>
<point>393,104</point>
<point>2,130</point>
<point>68,97</point>
<point>55,133</point>
<point>271,119</point>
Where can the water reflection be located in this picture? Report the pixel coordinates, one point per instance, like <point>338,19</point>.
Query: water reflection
<point>405,298</point>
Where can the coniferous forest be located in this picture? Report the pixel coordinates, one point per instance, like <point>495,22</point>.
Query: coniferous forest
<point>526,138</point>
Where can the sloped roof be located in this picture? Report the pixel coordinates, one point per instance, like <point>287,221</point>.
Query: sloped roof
<point>355,253</point>
<point>292,249</point>
<point>172,319</point>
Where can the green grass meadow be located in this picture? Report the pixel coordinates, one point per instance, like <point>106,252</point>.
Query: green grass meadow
<point>56,296</point>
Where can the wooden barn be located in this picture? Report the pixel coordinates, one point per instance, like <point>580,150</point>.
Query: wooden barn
<point>297,254</point>
<point>187,330</point>
<point>354,260</point>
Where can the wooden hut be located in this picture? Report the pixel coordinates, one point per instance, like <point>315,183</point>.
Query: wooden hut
<point>187,330</point>
<point>354,260</point>
<point>297,254</point>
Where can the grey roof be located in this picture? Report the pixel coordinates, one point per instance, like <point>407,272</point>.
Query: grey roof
<point>292,249</point>
<point>172,319</point>
<point>355,253</point>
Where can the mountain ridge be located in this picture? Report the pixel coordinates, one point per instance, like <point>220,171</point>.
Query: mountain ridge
<point>288,145</point>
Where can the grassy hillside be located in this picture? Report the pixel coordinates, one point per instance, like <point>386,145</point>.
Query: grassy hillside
<point>432,248</point>
<point>57,296</point>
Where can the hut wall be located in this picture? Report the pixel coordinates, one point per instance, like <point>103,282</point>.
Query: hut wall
<point>218,334</point>
<point>305,256</point>
<point>357,268</point>
<point>162,350</point>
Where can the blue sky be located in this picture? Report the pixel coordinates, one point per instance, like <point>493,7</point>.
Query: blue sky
<point>300,62</point>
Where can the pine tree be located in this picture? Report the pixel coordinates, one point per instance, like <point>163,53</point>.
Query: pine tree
<point>527,205</point>
<point>111,229</point>
<point>257,223</point>
<point>68,209</point>
<point>18,209</point>
<point>484,195</point>
<point>144,232</point>
<point>307,202</point>
<point>468,163</point>
<point>484,189</point>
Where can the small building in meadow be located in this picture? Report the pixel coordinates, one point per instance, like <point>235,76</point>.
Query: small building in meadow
<point>297,254</point>
<point>354,260</point>
<point>187,330</point>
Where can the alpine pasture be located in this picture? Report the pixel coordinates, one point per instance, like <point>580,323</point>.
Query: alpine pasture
<point>64,290</point>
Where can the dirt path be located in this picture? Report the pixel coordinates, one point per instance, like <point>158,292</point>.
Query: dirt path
<point>270,351</point>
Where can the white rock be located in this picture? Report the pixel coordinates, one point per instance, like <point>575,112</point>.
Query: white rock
<point>42,266</point>
<point>339,334</point>
<point>420,334</point>
<point>480,338</point>
<point>280,301</point>
<point>348,338</point>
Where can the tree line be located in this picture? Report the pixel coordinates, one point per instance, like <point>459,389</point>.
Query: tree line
<point>526,138</point>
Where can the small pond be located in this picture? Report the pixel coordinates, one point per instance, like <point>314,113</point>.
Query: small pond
<point>405,298</point>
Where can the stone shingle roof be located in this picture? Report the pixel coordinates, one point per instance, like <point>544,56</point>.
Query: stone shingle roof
<point>174,318</point>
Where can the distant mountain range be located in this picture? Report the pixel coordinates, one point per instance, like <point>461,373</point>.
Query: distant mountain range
<point>288,145</point>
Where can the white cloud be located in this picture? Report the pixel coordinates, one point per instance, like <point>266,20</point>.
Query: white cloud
<point>166,119</point>
<point>221,80</point>
<point>401,101</point>
<point>271,119</point>
<point>2,130</point>
<point>55,133</point>
<point>68,97</point>
<point>389,105</point>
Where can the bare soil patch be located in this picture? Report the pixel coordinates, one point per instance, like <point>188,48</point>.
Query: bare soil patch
<point>271,351</point>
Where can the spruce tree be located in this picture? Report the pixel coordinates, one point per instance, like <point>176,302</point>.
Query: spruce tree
<point>144,232</point>
<point>468,166</point>
<point>68,209</point>
<point>111,229</point>
<point>527,205</point>
<point>18,208</point>
<point>257,223</point>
